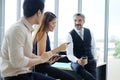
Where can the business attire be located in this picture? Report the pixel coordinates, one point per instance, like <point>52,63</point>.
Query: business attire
<point>48,48</point>
<point>16,51</point>
<point>46,68</point>
<point>82,44</point>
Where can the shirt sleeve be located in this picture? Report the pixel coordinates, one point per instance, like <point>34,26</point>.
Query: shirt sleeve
<point>69,49</point>
<point>93,48</point>
<point>16,49</point>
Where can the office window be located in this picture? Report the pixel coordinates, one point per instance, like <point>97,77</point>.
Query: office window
<point>10,13</point>
<point>67,8</point>
<point>114,41</point>
<point>94,13</point>
<point>49,5</point>
<point>22,8</point>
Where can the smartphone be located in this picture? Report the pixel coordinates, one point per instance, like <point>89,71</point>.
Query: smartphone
<point>68,43</point>
<point>63,56</point>
<point>56,56</point>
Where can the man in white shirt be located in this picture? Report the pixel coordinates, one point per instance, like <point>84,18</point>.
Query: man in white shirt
<point>16,50</point>
<point>81,45</point>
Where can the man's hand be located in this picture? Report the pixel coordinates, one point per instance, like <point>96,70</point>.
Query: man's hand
<point>82,61</point>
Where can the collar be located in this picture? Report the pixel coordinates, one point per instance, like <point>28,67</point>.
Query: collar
<point>27,24</point>
<point>82,30</point>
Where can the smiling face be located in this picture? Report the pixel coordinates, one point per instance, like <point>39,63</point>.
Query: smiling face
<point>52,25</point>
<point>78,21</point>
<point>49,21</point>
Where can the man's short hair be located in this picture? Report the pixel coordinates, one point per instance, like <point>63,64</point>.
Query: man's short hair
<point>30,7</point>
<point>81,15</point>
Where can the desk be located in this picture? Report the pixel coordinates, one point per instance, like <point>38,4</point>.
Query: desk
<point>101,69</point>
<point>62,65</point>
<point>66,67</point>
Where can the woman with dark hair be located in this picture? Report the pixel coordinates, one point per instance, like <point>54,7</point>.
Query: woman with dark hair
<point>41,44</point>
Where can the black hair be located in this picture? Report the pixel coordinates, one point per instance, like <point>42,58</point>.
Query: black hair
<point>30,7</point>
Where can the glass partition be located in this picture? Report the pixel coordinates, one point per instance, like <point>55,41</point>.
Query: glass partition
<point>10,13</point>
<point>94,11</point>
<point>67,8</point>
<point>114,41</point>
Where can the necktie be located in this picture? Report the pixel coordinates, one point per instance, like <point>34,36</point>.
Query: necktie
<point>81,35</point>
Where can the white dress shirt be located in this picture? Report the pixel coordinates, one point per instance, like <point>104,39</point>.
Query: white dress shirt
<point>16,49</point>
<point>69,49</point>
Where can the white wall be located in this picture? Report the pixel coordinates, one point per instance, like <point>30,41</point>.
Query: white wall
<point>113,69</point>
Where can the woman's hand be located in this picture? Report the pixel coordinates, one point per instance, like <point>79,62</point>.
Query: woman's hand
<point>59,48</point>
<point>54,58</point>
<point>63,46</point>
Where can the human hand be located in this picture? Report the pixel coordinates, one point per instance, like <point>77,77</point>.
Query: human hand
<point>82,61</point>
<point>63,46</point>
<point>54,58</point>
